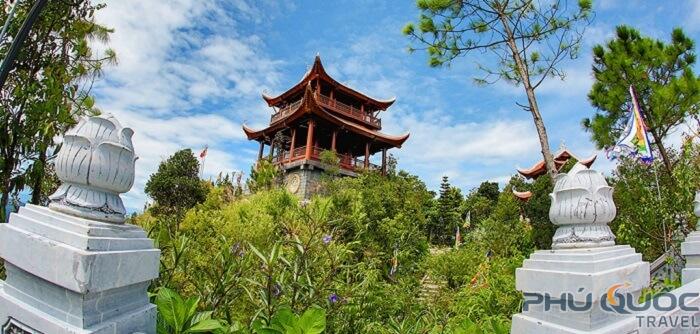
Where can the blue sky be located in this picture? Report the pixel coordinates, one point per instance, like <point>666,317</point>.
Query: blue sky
<point>190,72</point>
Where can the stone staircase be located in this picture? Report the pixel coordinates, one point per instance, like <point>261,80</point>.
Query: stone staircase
<point>430,287</point>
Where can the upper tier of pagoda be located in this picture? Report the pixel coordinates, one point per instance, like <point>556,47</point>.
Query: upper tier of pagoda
<point>317,74</point>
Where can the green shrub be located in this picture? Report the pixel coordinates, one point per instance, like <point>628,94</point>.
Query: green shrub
<point>654,218</point>
<point>176,186</point>
<point>179,316</point>
<point>456,267</point>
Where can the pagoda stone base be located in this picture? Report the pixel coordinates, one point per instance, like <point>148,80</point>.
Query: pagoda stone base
<point>569,276</point>
<point>73,275</point>
<point>690,248</point>
<point>309,178</point>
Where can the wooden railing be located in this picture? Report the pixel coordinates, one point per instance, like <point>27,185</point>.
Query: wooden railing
<point>286,110</point>
<point>331,104</point>
<point>346,161</point>
<point>349,110</point>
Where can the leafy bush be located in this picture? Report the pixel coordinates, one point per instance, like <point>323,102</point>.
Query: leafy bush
<point>456,267</point>
<point>179,316</point>
<point>654,218</point>
<point>248,258</point>
<point>263,176</point>
<point>379,227</point>
<point>176,186</point>
<point>492,295</point>
<point>313,321</point>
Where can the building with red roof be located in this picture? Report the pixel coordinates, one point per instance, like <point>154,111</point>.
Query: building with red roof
<point>319,114</point>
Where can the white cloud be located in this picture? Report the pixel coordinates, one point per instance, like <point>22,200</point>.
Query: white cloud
<point>185,79</point>
<point>485,142</point>
<point>467,152</point>
<point>691,21</point>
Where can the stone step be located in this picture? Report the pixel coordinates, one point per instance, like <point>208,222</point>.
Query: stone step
<point>79,225</point>
<point>76,240</point>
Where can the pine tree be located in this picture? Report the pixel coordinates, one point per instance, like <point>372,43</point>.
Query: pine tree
<point>447,215</point>
<point>662,75</point>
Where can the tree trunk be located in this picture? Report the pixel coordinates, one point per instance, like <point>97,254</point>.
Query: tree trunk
<point>541,132</point>
<point>38,179</point>
<point>531,99</point>
<point>662,150</point>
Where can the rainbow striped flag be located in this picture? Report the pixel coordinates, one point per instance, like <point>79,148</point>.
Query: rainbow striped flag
<point>635,139</point>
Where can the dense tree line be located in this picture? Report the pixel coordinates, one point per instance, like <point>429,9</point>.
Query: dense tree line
<point>48,89</point>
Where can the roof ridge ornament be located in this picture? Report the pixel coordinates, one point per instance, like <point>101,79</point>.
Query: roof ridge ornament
<point>95,165</point>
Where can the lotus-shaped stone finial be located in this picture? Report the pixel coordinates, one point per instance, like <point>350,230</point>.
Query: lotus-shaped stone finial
<point>582,206</point>
<point>95,165</point>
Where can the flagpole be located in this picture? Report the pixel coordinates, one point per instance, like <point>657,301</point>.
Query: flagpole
<point>638,108</point>
<point>201,170</point>
<point>658,193</point>
<point>203,155</point>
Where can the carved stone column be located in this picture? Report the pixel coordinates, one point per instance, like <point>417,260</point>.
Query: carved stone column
<point>691,249</point>
<point>75,267</point>
<point>583,265</point>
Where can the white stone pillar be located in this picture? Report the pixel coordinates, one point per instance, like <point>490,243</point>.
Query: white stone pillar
<point>583,265</point>
<point>75,267</point>
<point>690,248</point>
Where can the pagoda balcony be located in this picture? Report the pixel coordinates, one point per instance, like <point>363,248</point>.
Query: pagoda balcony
<point>348,110</point>
<point>332,104</point>
<point>346,161</point>
<point>283,112</point>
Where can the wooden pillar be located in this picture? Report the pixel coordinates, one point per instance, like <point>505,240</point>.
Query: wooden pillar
<point>384,161</point>
<point>335,134</point>
<point>367,155</point>
<point>260,151</point>
<point>291,146</point>
<point>331,97</point>
<point>272,149</point>
<point>309,139</point>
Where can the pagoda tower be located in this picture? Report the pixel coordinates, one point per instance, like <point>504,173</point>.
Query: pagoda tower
<point>319,114</point>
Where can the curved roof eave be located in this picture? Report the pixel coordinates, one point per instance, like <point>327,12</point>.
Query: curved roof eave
<point>522,195</point>
<point>396,141</point>
<point>559,160</point>
<point>318,69</point>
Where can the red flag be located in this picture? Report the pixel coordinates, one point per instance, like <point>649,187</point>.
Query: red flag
<point>204,152</point>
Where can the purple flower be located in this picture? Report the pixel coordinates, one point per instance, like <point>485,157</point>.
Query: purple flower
<point>327,239</point>
<point>333,298</point>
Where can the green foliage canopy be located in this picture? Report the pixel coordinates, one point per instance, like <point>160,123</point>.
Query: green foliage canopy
<point>446,215</point>
<point>48,89</point>
<point>176,186</point>
<point>662,74</point>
